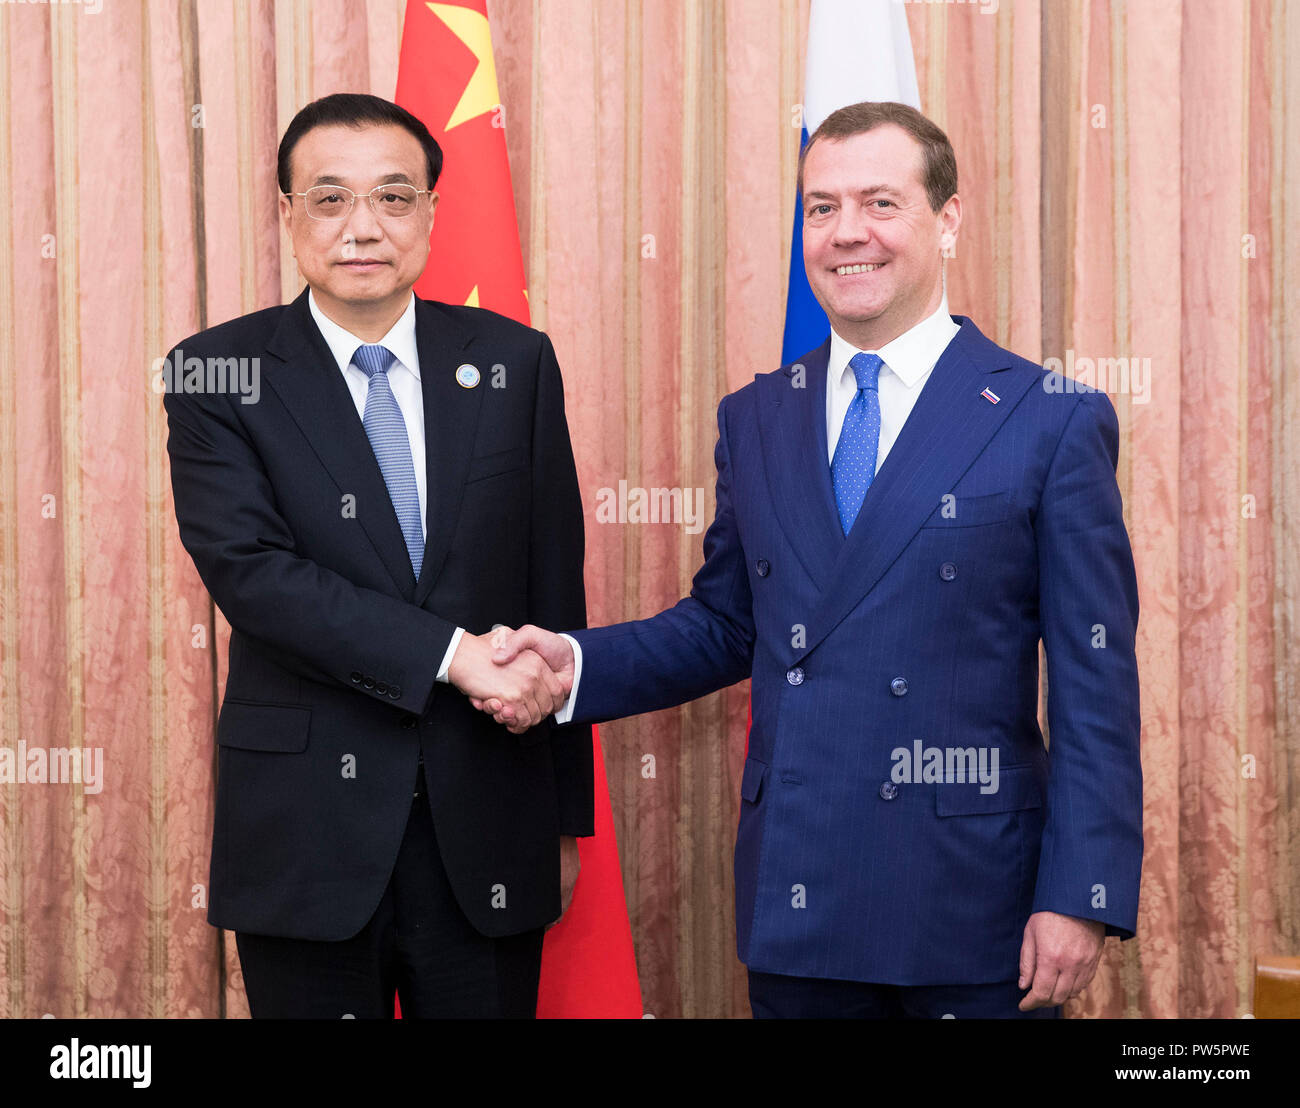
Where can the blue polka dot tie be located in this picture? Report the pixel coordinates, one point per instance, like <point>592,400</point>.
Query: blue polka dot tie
<point>854,464</point>
<point>386,430</point>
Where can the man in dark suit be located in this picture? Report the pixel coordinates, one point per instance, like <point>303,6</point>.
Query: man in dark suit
<point>403,481</point>
<point>901,517</point>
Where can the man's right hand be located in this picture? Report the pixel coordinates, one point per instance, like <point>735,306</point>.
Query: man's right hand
<point>511,647</point>
<point>522,689</point>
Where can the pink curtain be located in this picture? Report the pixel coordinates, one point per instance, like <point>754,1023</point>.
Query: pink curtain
<point>1130,175</point>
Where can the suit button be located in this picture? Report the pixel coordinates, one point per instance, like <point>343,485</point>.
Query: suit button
<point>898,686</point>
<point>888,791</point>
<point>408,723</point>
<point>794,676</point>
<point>763,566</point>
<point>356,677</point>
<point>381,689</point>
<point>947,571</point>
<point>395,692</point>
<point>368,682</point>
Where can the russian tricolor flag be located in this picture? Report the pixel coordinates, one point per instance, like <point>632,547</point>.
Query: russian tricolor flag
<point>857,50</point>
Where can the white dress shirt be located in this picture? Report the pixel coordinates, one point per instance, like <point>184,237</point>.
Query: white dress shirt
<point>908,361</point>
<point>404,380</point>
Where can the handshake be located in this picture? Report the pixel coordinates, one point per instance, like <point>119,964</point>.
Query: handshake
<point>517,677</point>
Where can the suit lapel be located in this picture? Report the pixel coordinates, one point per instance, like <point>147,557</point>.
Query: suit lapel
<point>792,425</point>
<point>451,415</point>
<point>313,391</point>
<point>945,432</point>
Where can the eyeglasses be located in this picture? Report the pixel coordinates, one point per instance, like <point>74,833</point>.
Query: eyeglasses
<point>333,202</point>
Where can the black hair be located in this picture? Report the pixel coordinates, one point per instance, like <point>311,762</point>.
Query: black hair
<point>354,109</point>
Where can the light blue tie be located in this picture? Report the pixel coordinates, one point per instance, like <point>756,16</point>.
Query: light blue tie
<point>386,430</point>
<point>854,464</point>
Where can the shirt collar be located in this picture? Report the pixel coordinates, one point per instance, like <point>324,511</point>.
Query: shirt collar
<point>400,339</point>
<point>910,356</point>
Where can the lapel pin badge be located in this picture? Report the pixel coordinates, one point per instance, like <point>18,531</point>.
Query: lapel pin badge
<point>990,396</point>
<point>467,376</point>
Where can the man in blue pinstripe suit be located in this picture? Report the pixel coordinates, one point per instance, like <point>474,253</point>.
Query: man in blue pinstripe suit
<point>902,516</point>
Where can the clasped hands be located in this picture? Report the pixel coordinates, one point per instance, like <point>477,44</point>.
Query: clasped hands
<point>520,678</point>
<point>517,677</point>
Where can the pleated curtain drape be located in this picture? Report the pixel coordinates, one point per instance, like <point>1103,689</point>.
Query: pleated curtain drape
<point>1131,182</point>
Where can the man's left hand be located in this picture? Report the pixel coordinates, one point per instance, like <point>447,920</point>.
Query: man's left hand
<point>569,866</point>
<point>1058,957</point>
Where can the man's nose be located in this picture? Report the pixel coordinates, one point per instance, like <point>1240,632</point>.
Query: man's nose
<point>852,227</point>
<point>362,223</point>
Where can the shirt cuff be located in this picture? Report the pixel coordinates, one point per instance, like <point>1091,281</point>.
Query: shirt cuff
<point>565,711</point>
<point>451,653</point>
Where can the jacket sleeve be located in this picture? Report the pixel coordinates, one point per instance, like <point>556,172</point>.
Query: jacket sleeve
<point>1091,858</point>
<point>556,592</point>
<point>321,623</point>
<point>703,643</point>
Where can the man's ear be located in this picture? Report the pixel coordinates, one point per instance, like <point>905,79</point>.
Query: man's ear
<point>949,221</point>
<point>433,203</point>
<point>286,219</point>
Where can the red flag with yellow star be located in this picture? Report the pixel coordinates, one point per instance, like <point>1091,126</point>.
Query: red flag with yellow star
<point>447,77</point>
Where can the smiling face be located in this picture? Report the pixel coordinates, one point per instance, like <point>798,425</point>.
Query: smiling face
<point>872,245</point>
<point>361,268</point>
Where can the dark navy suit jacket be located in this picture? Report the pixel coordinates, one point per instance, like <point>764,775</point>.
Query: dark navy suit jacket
<point>335,647</point>
<point>989,526</point>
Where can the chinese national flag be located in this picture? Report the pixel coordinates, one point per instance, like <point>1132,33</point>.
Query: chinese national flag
<point>446,76</point>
